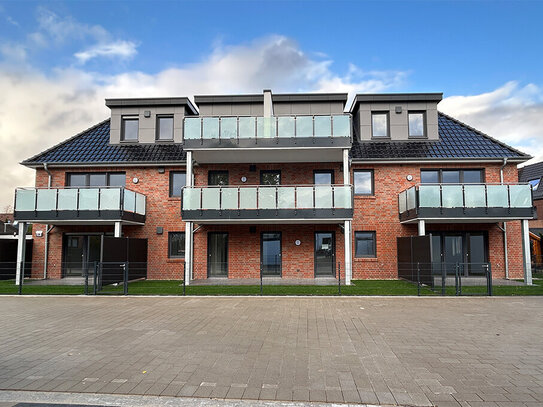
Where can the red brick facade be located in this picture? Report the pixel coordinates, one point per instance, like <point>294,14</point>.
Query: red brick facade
<point>377,213</point>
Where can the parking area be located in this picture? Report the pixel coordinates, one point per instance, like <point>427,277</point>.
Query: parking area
<point>406,351</point>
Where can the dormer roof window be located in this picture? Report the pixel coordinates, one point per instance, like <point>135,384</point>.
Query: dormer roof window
<point>164,128</point>
<point>379,125</point>
<point>416,124</point>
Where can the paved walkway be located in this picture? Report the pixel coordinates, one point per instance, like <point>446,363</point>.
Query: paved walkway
<point>407,351</point>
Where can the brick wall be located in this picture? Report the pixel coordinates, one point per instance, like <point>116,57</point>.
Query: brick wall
<point>377,213</point>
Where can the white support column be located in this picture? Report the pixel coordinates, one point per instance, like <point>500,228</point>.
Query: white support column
<point>21,252</point>
<point>348,255</point>
<point>422,228</point>
<point>118,229</point>
<point>526,253</point>
<point>188,226</point>
<point>346,169</point>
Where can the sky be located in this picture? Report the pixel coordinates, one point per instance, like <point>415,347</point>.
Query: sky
<point>59,60</point>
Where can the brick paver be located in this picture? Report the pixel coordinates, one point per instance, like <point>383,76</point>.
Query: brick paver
<point>407,351</point>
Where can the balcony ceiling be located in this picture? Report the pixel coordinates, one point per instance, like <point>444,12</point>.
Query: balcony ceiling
<point>269,155</point>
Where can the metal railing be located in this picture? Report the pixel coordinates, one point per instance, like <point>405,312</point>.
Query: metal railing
<point>267,197</point>
<point>465,196</point>
<point>255,127</point>
<point>79,199</point>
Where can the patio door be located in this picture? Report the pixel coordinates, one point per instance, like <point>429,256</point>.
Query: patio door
<point>80,253</point>
<point>217,254</point>
<point>270,252</point>
<point>453,252</point>
<point>325,254</point>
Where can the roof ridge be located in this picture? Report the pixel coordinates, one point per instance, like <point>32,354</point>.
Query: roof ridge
<point>501,143</point>
<point>81,133</point>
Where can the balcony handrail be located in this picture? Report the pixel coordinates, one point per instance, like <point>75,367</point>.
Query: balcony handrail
<point>275,130</point>
<point>296,202</point>
<point>138,206</point>
<point>418,184</point>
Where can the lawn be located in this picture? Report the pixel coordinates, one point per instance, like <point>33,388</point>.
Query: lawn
<point>359,287</point>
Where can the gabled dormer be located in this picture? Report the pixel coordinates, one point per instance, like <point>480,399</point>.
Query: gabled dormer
<point>149,120</point>
<point>396,117</point>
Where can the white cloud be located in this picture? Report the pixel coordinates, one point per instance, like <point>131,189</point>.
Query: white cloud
<point>118,49</point>
<point>512,113</point>
<point>12,21</point>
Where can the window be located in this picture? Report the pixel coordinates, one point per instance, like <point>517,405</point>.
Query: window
<point>176,245</point>
<point>363,182</point>
<point>129,129</point>
<point>452,176</point>
<point>96,179</point>
<point>177,181</point>
<point>164,128</point>
<point>416,124</point>
<point>270,177</point>
<point>534,183</point>
<point>365,244</point>
<point>217,178</point>
<point>379,125</point>
<point>323,177</point>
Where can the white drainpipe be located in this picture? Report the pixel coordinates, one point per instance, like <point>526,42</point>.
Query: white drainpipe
<point>505,227</point>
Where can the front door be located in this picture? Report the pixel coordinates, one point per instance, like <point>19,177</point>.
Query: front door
<point>217,254</point>
<point>324,254</point>
<point>271,253</point>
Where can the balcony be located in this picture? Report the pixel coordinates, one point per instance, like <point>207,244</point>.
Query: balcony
<point>103,205</point>
<point>464,203</point>
<point>268,204</point>
<point>270,139</point>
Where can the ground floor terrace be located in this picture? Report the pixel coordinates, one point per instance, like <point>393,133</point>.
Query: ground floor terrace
<point>284,251</point>
<point>467,352</point>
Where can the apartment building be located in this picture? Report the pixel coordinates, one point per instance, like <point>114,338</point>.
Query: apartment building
<point>287,185</point>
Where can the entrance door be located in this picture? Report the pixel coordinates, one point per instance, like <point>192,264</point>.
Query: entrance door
<point>217,254</point>
<point>324,254</point>
<point>270,250</point>
<point>453,252</point>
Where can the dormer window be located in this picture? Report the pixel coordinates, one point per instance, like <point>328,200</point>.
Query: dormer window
<point>416,124</point>
<point>129,128</point>
<point>164,128</point>
<point>379,125</point>
<point>534,183</point>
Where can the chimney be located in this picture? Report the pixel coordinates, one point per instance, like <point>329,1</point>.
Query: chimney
<point>268,104</point>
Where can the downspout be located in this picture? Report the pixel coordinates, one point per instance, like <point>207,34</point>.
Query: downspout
<point>47,229</point>
<point>505,227</point>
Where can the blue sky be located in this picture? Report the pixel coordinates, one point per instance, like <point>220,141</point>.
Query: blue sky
<point>61,59</point>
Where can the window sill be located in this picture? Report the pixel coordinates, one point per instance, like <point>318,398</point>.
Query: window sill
<point>173,260</point>
<point>164,141</point>
<point>365,259</point>
<point>129,141</point>
<point>174,198</point>
<point>364,196</point>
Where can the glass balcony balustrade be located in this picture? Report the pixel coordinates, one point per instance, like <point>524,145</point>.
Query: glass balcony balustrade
<point>277,127</point>
<point>74,203</point>
<point>246,202</point>
<point>484,200</point>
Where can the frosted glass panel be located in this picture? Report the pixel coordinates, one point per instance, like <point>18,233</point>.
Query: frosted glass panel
<point>341,126</point>
<point>25,200</point>
<point>229,127</point>
<point>192,128</point>
<point>401,201</point>
<point>211,127</point>
<point>342,197</point>
<point>88,199</point>
<point>247,198</point>
<point>229,198</point>
<point>475,196</point>
<point>451,196</point>
<point>265,127</point>
<point>497,196</point>
<point>140,204</point>
<point>210,198</point>
<point>285,127</point>
<point>520,196</point>
<point>246,127</point>
<point>304,196</point>
<point>67,199</point>
<point>323,196</point>
<point>304,126</point>
<point>323,126</point>
<point>191,198</point>
<point>110,199</point>
<point>129,200</point>
<point>285,198</point>
<point>428,197</point>
<point>266,198</point>
<point>411,198</point>
<point>46,199</point>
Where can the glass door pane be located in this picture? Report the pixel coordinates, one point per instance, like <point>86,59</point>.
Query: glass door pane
<point>324,254</point>
<point>452,252</point>
<point>94,250</point>
<point>436,254</point>
<point>271,253</point>
<point>217,254</point>
<point>74,252</point>
<point>476,252</point>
